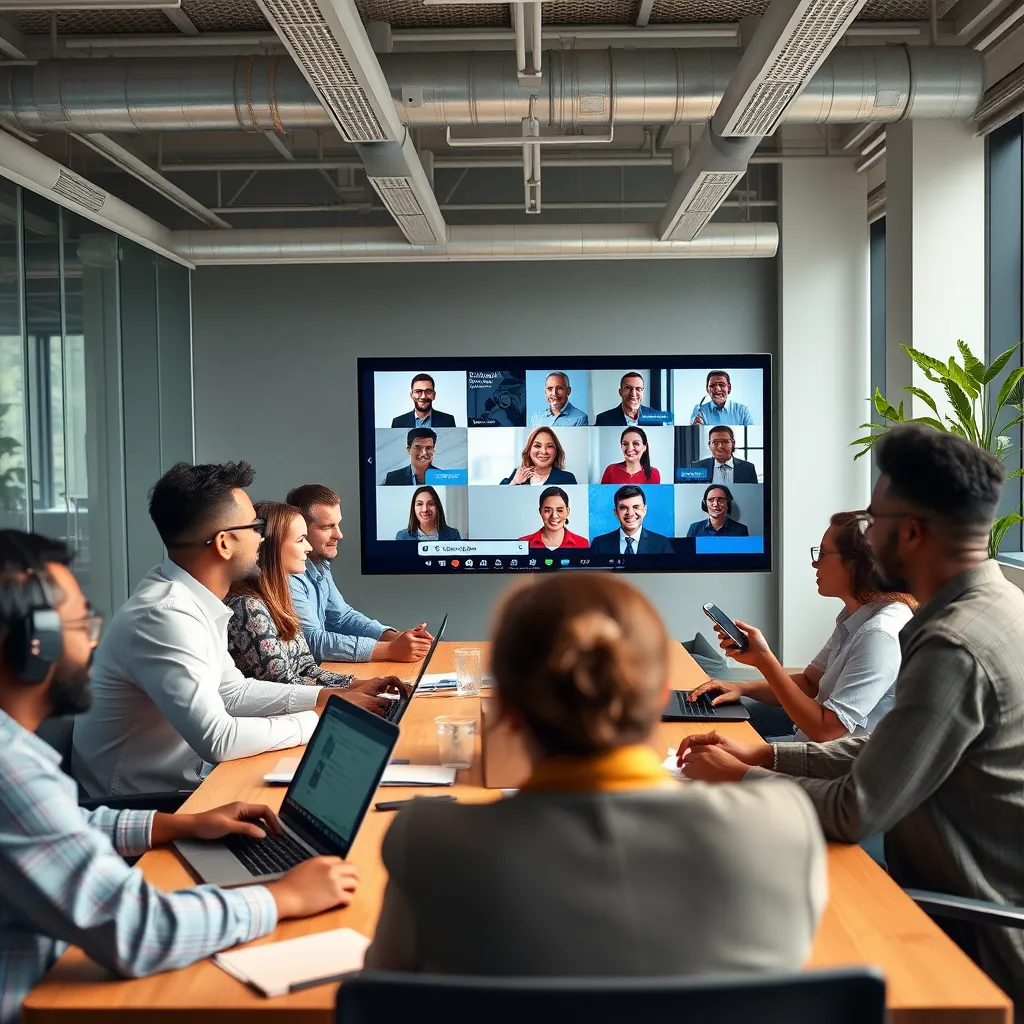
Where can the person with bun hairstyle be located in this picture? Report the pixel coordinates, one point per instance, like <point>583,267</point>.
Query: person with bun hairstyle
<point>579,873</point>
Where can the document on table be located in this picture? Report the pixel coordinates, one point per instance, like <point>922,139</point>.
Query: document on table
<point>394,774</point>
<point>277,968</point>
<point>669,764</point>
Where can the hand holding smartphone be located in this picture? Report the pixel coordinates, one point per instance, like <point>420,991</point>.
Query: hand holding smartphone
<point>727,626</point>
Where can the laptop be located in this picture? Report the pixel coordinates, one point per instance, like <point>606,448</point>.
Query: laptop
<point>396,711</point>
<point>681,709</point>
<point>325,804</point>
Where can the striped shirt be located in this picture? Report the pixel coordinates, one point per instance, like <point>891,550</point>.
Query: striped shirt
<point>62,883</point>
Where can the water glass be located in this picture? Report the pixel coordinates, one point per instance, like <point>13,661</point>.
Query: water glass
<point>468,671</point>
<point>455,740</point>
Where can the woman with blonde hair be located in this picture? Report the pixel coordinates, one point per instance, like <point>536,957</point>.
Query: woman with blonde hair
<point>542,461</point>
<point>584,872</point>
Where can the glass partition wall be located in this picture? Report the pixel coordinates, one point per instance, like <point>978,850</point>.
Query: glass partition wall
<point>95,387</point>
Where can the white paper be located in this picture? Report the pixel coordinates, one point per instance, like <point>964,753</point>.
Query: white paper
<point>669,764</point>
<point>282,772</point>
<point>417,775</point>
<point>273,969</point>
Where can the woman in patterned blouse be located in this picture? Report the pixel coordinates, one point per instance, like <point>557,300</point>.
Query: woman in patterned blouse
<point>264,634</point>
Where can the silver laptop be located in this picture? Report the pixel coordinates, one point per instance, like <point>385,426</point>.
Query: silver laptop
<point>325,804</point>
<point>395,711</point>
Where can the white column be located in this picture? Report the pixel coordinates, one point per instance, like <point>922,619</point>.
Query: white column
<point>822,381</point>
<point>934,249</point>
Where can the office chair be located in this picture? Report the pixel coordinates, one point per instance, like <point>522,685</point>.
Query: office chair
<point>58,733</point>
<point>849,996</point>
<point>940,904</point>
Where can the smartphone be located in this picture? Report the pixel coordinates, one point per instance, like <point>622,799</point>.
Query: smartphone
<point>731,630</point>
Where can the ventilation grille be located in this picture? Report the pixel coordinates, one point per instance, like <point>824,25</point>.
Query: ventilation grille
<point>322,61</point>
<point>708,193</point>
<point>79,191</point>
<point>799,56</point>
<point>400,200</point>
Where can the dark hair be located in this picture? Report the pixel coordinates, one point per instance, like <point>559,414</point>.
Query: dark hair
<point>591,677</point>
<point>422,376</point>
<point>23,561</point>
<point>550,492</point>
<point>941,473</point>
<point>270,583</point>
<point>305,496</point>
<point>629,491</point>
<point>626,376</point>
<point>855,553</point>
<point>524,457</point>
<point>722,430</point>
<point>413,523</point>
<point>188,501</point>
<point>418,432</point>
<point>645,459</point>
<point>718,373</point>
<point>729,499</point>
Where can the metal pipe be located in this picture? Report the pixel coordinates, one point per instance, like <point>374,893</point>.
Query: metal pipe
<point>519,30</point>
<point>471,242</point>
<point>136,41</point>
<point>580,88</point>
<point>538,37</point>
<point>611,204</point>
<point>933,22</point>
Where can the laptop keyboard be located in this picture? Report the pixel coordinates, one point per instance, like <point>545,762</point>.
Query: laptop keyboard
<point>699,708</point>
<point>267,856</point>
<point>392,711</point>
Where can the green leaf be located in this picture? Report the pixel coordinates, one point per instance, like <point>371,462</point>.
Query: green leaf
<point>958,375</point>
<point>927,363</point>
<point>997,364</point>
<point>1010,386</point>
<point>963,409</point>
<point>932,422</point>
<point>999,528</point>
<point>1002,444</point>
<point>883,408</point>
<point>973,366</point>
<point>1013,423</point>
<point>925,397</point>
<point>1016,472</point>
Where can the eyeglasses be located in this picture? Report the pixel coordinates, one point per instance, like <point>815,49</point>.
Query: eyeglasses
<point>91,624</point>
<point>728,442</point>
<point>717,501</point>
<point>817,554</point>
<point>259,526</point>
<point>423,393</point>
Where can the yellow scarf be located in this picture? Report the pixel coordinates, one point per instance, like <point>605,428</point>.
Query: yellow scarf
<point>634,767</point>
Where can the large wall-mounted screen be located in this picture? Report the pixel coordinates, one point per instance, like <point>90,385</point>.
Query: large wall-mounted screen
<point>655,464</point>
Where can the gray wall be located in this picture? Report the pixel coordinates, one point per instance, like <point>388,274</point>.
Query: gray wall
<point>275,352</point>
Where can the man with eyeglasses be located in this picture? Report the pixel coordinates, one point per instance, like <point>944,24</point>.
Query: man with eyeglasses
<point>942,775</point>
<point>723,467</point>
<point>420,445</point>
<point>721,409</point>
<point>423,392</point>
<point>64,876</point>
<point>717,503</point>
<point>168,700</point>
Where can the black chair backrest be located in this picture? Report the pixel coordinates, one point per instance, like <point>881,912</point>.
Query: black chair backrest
<point>848,996</point>
<point>57,732</point>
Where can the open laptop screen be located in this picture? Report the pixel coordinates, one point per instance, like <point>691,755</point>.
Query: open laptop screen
<point>338,775</point>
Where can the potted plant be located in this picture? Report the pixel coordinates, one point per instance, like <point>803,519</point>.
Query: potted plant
<point>12,479</point>
<point>975,414</point>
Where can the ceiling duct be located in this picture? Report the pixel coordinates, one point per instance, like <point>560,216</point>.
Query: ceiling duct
<point>328,42</point>
<point>474,243</point>
<point>707,179</point>
<point>651,87</point>
<point>28,167</point>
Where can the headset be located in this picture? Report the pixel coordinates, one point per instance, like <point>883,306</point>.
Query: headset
<point>34,641</point>
<point>728,498</point>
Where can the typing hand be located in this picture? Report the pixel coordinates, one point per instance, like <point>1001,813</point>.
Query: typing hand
<point>712,757</point>
<point>727,693</point>
<point>370,693</point>
<point>313,886</point>
<point>254,820</point>
<point>757,647</point>
<point>412,645</point>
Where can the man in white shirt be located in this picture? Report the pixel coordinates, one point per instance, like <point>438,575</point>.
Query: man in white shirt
<point>723,467</point>
<point>168,700</point>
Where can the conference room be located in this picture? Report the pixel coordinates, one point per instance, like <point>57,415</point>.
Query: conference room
<point>557,302</point>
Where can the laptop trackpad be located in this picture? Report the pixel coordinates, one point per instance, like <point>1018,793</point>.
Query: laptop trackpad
<point>215,864</point>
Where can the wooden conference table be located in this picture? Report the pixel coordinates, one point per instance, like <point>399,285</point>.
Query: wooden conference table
<point>868,920</point>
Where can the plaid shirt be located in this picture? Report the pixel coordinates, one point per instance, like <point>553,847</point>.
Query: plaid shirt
<point>62,882</point>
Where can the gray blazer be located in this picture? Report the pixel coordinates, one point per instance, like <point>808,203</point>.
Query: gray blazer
<point>684,880</point>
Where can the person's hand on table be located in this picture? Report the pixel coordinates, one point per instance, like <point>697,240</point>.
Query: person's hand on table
<point>727,693</point>
<point>711,757</point>
<point>374,694</point>
<point>410,645</point>
<point>757,647</point>
<point>254,820</point>
<point>315,885</point>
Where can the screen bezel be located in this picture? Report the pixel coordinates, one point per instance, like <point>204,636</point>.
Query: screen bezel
<point>290,813</point>
<point>373,564</point>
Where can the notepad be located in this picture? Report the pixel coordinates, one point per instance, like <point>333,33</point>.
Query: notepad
<point>669,764</point>
<point>277,968</point>
<point>394,774</point>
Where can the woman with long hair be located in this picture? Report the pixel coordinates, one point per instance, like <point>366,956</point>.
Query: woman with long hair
<point>426,518</point>
<point>851,684</point>
<point>635,467</point>
<point>264,635</point>
<point>542,461</point>
<point>554,516</point>
<point>585,861</point>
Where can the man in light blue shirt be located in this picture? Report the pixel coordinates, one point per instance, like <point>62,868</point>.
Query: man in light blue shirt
<point>721,410</point>
<point>334,630</point>
<point>560,411</point>
<point>62,877</point>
